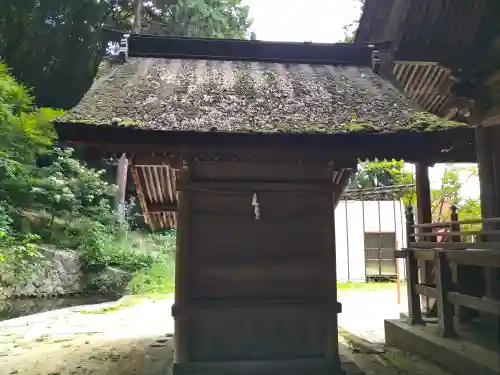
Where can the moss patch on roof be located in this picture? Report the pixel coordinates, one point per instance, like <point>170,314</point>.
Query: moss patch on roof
<point>227,96</point>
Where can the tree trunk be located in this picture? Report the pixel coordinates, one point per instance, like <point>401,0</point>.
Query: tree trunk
<point>137,17</point>
<point>121,181</point>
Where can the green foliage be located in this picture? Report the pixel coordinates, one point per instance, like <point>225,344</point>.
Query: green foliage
<point>20,259</point>
<point>449,194</point>
<point>383,173</point>
<point>351,28</point>
<point>211,19</point>
<point>470,209</point>
<point>423,121</point>
<point>59,201</point>
<point>56,46</point>
<point>159,279</point>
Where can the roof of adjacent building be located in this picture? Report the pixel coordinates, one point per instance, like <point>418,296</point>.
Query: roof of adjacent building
<point>436,46</point>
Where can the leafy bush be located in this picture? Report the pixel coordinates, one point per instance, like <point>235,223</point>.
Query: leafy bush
<point>48,196</point>
<point>20,258</point>
<point>159,278</point>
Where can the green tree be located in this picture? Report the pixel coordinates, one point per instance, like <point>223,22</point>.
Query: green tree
<point>380,174</point>
<point>201,18</point>
<point>351,28</point>
<point>33,197</point>
<point>56,46</point>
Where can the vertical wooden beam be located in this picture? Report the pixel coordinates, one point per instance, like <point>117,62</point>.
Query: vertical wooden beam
<point>330,274</point>
<point>121,181</point>
<point>394,30</point>
<point>414,310</point>
<point>180,313</point>
<point>140,196</point>
<point>488,154</point>
<point>443,286</point>
<point>461,272</point>
<point>424,215</point>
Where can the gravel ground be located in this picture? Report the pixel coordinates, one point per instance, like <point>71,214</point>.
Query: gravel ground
<point>364,311</point>
<point>137,339</point>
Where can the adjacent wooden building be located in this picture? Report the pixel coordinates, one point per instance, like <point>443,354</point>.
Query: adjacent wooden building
<point>263,138</point>
<point>446,56</point>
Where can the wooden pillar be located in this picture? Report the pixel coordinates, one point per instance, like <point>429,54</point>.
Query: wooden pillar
<point>121,181</point>
<point>488,154</point>
<point>333,307</point>
<point>424,215</point>
<point>462,274</point>
<point>180,308</point>
<point>443,286</point>
<point>414,309</point>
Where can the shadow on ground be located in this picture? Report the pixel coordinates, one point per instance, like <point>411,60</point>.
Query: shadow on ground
<point>88,354</point>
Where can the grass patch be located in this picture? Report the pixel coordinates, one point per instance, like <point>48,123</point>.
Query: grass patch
<point>155,281</point>
<point>368,286</point>
<point>127,301</point>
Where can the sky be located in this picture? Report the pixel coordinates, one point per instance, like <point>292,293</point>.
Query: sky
<point>322,21</point>
<point>318,21</point>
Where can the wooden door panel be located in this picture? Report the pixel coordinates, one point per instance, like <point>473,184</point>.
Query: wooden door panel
<point>257,334</point>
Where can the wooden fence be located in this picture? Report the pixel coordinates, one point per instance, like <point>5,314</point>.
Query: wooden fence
<point>447,257</point>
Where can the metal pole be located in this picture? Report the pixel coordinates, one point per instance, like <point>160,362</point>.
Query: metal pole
<point>396,260</point>
<point>347,241</point>
<point>402,233</point>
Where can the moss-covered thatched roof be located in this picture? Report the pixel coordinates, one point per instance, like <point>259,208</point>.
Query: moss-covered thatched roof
<point>226,96</point>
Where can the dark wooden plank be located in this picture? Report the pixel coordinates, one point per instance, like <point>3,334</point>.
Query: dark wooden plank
<point>320,366</point>
<point>456,245</point>
<point>258,186</point>
<point>414,310</point>
<point>140,195</point>
<point>444,284</point>
<point>458,233</point>
<point>450,223</point>
<point>182,271</point>
<point>308,302</point>
<point>329,273</point>
<point>482,304</point>
<point>482,258</point>
<point>144,160</point>
<point>257,288</point>
<point>277,171</point>
<point>400,254</point>
<point>257,333</point>
<point>277,203</point>
<point>425,290</point>
<point>424,215</point>
<point>245,50</point>
<point>422,254</point>
<point>263,271</point>
<point>161,207</point>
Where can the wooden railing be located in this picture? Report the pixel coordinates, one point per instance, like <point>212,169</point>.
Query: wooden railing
<point>423,246</point>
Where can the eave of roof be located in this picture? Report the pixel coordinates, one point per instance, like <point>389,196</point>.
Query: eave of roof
<point>432,30</point>
<point>143,45</point>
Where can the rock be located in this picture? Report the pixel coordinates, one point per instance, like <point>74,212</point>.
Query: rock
<point>30,290</point>
<point>7,292</point>
<point>63,276</point>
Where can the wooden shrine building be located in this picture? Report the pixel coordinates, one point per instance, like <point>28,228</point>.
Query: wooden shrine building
<point>445,55</point>
<point>263,137</point>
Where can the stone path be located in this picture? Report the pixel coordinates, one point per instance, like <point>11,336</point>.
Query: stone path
<point>364,312</point>
<point>136,340</point>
